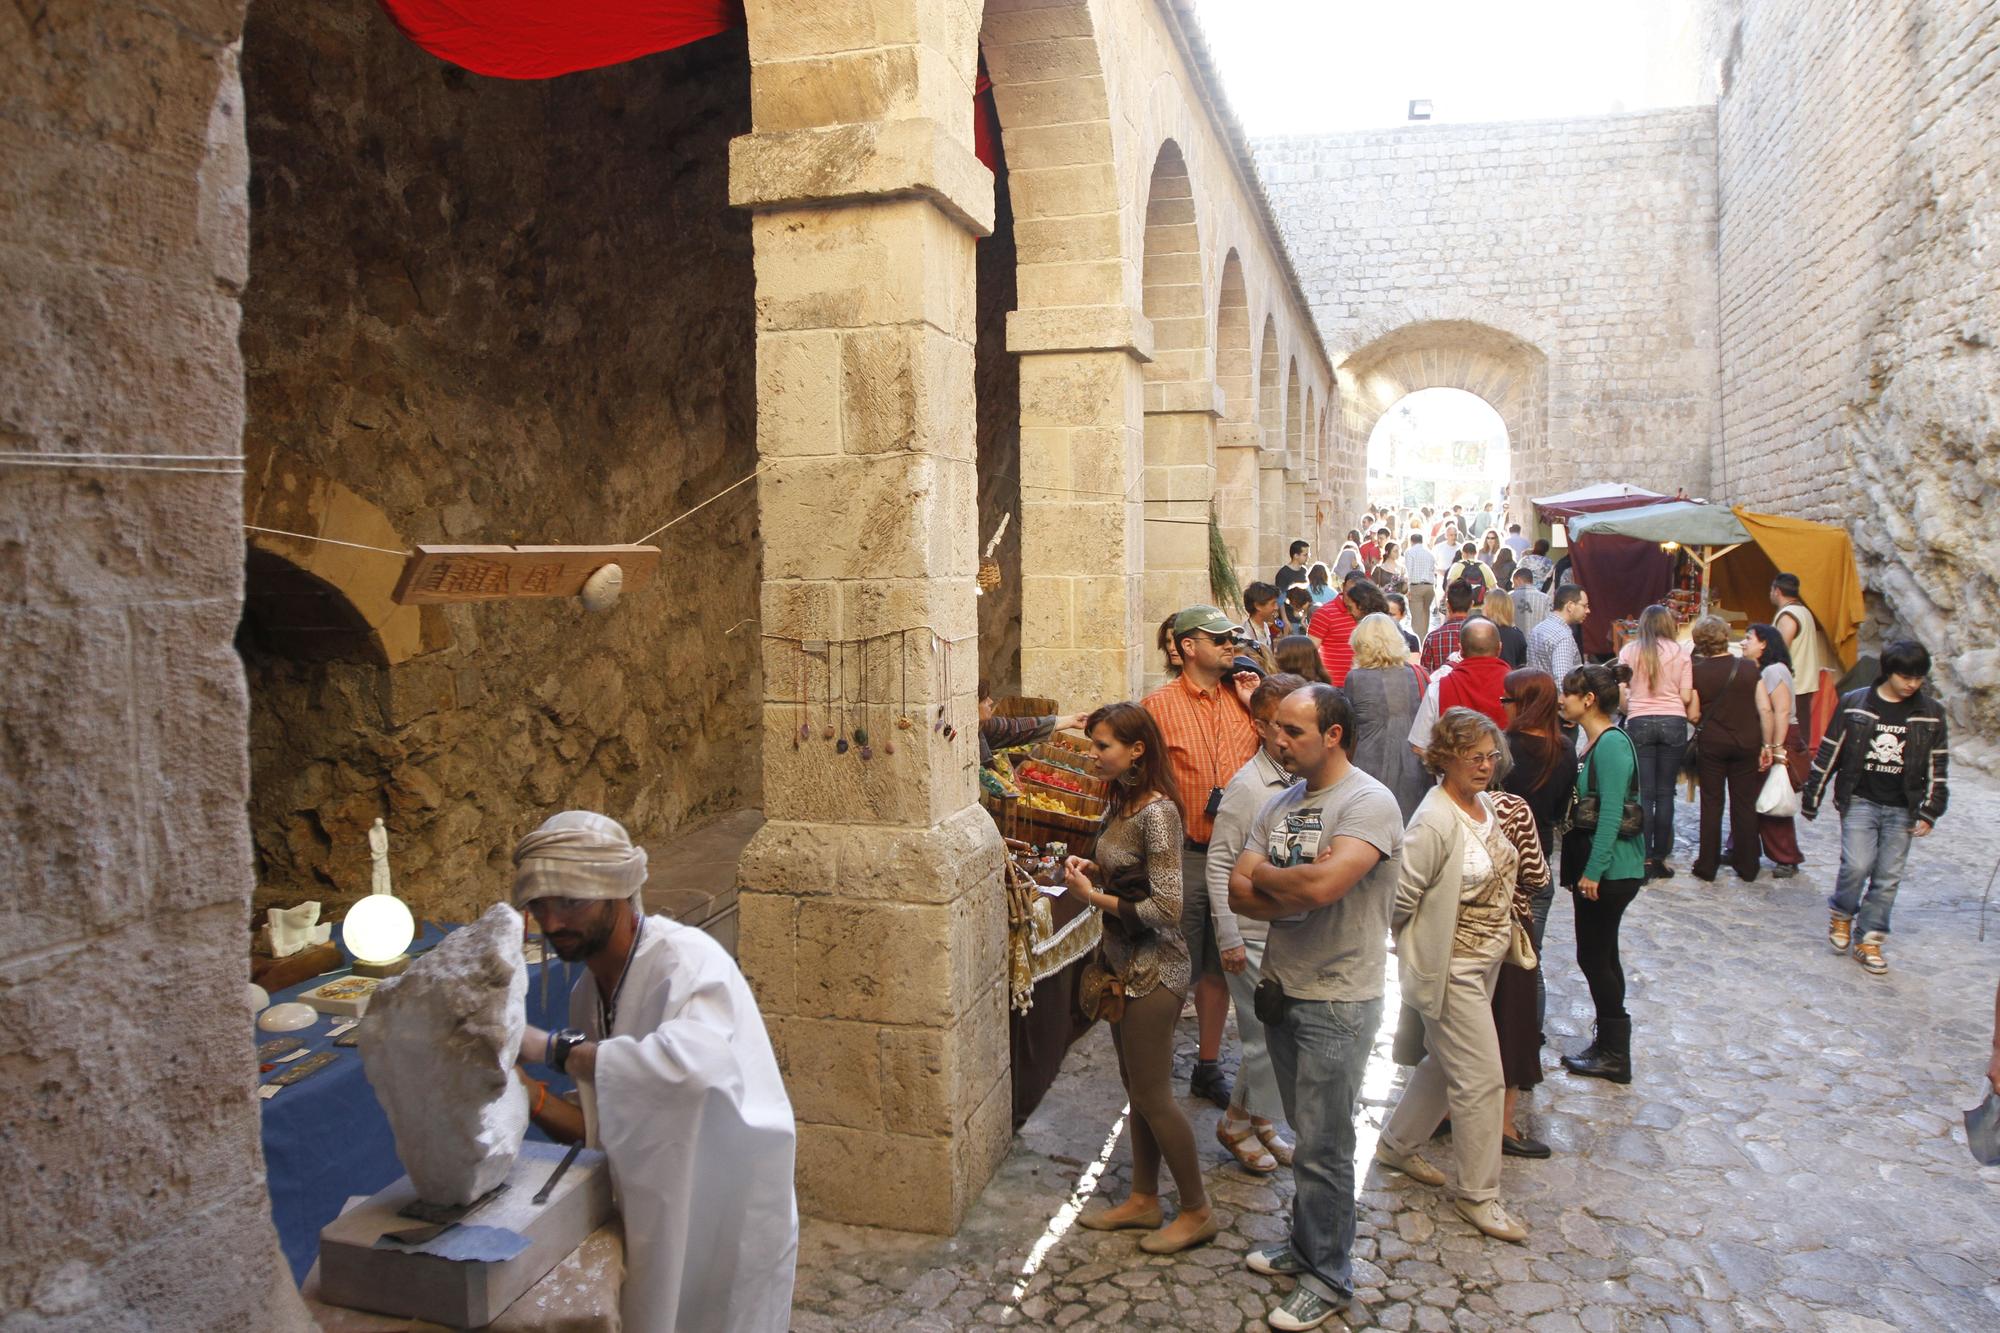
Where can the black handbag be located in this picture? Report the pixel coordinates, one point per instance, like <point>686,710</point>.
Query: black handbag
<point>1583,809</point>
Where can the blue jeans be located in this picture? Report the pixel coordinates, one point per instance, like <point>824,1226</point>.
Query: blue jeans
<point>1661,743</point>
<point>1874,843</point>
<point>1319,1050</point>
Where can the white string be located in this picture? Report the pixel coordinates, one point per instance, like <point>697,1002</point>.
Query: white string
<point>328,541</point>
<point>709,501</point>
<point>111,463</point>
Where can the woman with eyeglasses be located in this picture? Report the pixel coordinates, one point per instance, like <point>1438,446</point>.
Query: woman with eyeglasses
<point>1603,865</point>
<point>1470,861</point>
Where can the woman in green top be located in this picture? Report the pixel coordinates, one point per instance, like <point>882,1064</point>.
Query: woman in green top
<point>1604,870</point>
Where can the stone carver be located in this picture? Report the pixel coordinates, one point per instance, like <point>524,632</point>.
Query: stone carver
<point>678,1085</point>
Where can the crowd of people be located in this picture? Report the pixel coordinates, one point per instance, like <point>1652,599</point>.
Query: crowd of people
<point>1337,774</point>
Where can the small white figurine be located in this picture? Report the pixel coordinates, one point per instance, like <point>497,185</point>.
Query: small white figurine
<point>378,852</point>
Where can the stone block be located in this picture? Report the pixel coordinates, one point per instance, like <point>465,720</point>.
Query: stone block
<point>1118,328</point>
<point>1082,190</point>
<point>808,169</point>
<point>862,266</point>
<point>1060,102</point>
<point>1079,389</point>
<point>906,388</point>
<point>1084,283</point>
<point>835,1072</point>
<point>877,962</point>
<point>767,942</point>
<point>798,394</point>
<point>892,515</point>
<point>874,1178</point>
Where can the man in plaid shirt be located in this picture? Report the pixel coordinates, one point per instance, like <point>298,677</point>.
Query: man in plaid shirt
<point>1442,642</point>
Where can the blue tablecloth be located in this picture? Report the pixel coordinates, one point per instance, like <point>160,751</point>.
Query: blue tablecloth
<point>326,1138</point>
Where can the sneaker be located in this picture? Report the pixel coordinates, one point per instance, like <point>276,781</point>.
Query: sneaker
<point>1302,1309</point>
<point>1868,952</point>
<point>1410,1164</point>
<point>1491,1218</point>
<point>1208,1084</point>
<point>1838,932</point>
<point>1275,1261</point>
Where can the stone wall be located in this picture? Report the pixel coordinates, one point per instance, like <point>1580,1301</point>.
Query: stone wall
<point>1589,243</point>
<point>129,1156</point>
<point>1859,308</point>
<point>497,312</point>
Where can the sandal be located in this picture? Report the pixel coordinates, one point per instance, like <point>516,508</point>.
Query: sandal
<point>1257,1161</point>
<point>1268,1133</point>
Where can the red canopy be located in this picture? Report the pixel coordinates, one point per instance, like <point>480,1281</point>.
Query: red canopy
<point>533,39</point>
<point>536,39</point>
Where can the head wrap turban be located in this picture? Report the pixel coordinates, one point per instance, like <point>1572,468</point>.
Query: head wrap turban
<point>578,854</point>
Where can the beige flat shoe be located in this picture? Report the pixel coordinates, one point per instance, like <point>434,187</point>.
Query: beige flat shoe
<point>1110,1219</point>
<point>1169,1240</point>
<point>1410,1164</point>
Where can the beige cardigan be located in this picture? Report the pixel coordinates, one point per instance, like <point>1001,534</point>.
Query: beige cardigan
<point>1425,917</point>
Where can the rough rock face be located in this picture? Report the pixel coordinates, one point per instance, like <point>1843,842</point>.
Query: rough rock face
<point>439,1046</point>
<point>494,311</point>
<point>1860,316</point>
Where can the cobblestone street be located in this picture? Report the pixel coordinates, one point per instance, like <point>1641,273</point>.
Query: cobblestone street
<point>1789,1155</point>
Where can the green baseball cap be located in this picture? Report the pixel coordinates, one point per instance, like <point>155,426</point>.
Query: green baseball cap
<point>1203,619</point>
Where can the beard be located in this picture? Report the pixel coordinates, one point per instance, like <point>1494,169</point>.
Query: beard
<point>576,942</point>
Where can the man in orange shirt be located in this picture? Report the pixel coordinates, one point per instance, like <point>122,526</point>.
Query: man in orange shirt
<point>1204,718</point>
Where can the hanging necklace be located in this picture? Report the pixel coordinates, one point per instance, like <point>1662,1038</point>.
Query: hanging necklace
<point>861,732</point>
<point>903,722</point>
<point>940,676</point>
<point>888,733</point>
<point>607,1010</point>
<point>840,746</point>
<point>826,730</point>
<point>950,731</point>
<point>805,727</point>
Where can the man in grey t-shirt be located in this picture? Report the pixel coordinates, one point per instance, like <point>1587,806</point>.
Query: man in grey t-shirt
<point>1320,865</point>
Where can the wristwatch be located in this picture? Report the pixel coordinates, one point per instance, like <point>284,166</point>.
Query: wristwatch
<point>561,1044</point>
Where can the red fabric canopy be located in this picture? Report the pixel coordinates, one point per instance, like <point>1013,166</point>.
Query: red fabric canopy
<point>535,39</point>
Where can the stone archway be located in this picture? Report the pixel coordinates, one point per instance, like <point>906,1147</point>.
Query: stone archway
<point>1180,397</point>
<point>1082,341</point>
<point>1294,511</point>
<point>1506,371</point>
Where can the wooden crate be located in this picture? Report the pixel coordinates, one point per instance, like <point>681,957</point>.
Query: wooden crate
<point>1024,705</point>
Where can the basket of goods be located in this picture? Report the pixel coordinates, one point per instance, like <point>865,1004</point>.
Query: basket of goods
<point>1073,765</point>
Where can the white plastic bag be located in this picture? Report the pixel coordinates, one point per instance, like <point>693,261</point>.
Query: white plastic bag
<point>1778,799</point>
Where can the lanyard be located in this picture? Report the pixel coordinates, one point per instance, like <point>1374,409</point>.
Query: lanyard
<point>607,1010</point>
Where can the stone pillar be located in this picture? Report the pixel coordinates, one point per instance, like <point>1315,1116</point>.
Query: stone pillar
<point>1299,517</point>
<point>1236,499</point>
<point>1084,637</point>
<point>134,1176</point>
<point>1277,536</point>
<point>873,920</point>
<point>1180,481</point>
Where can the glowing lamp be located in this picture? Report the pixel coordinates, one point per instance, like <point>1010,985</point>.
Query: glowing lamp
<point>377,931</point>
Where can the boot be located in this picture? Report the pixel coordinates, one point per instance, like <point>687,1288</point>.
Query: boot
<point>1609,1057</point>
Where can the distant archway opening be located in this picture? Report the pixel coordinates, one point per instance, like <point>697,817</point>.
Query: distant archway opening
<point>1438,447</point>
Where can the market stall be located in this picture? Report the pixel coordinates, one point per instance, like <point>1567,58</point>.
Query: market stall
<point>1622,574</point>
<point>1707,532</point>
<point>1048,807</point>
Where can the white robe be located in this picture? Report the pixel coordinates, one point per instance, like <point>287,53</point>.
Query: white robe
<point>688,1106</point>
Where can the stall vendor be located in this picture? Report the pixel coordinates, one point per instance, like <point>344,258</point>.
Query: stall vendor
<point>678,1085</point>
<point>1000,733</point>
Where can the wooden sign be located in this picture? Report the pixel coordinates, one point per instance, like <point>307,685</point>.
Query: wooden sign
<point>496,573</point>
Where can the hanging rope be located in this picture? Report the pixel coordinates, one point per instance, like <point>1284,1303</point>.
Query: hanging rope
<point>213,464</point>
<point>327,541</point>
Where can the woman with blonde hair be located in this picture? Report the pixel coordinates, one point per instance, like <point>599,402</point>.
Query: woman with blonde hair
<point>1384,691</point>
<point>1499,608</point>
<point>1470,861</point>
<point>1659,708</point>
